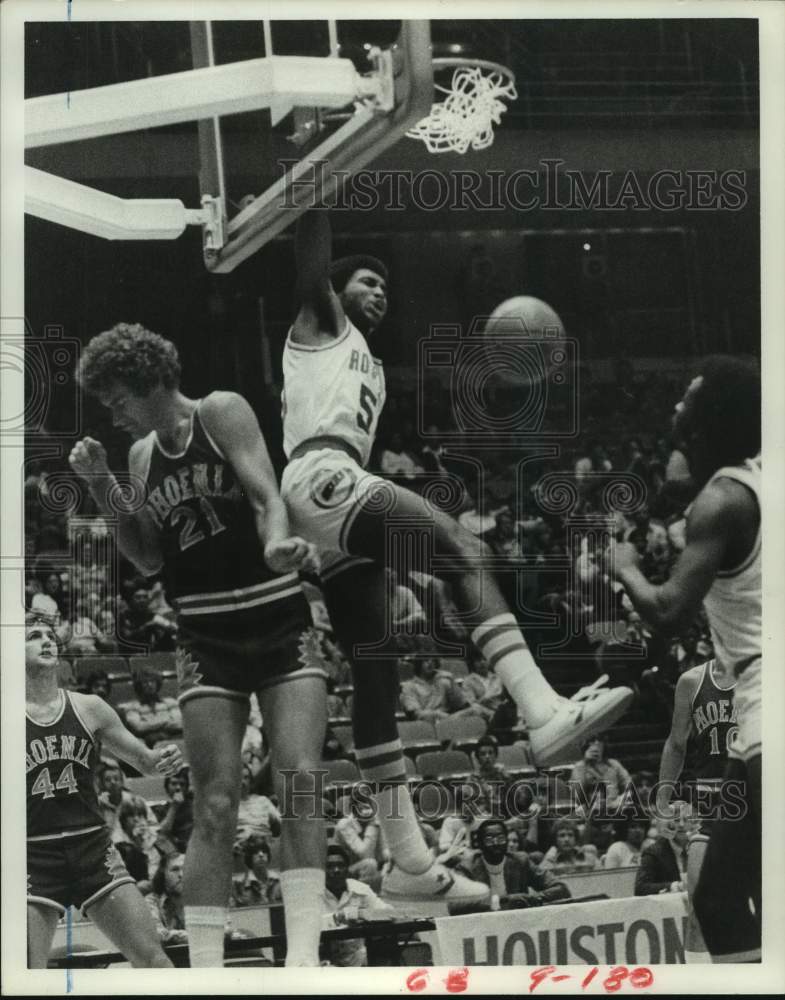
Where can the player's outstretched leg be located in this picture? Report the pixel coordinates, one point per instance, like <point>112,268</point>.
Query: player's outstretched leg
<point>730,878</point>
<point>356,603</point>
<point>125,918</point>
<point>295,716</point>
<point>41,926</point>
<point>214,728</point>
<point>556,725</point>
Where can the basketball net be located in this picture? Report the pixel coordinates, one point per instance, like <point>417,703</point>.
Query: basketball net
<point>474,102</point>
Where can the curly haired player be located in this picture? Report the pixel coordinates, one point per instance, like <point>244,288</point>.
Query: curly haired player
<point>212,519</point>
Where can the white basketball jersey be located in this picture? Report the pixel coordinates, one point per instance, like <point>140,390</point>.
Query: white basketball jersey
<point>336,389</point>
<point>733,604</point>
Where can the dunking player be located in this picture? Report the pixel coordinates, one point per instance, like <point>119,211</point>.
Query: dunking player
<point>71,860</point>
<point>720,420</point>
<point>334,391</point>
<point>214,522</point>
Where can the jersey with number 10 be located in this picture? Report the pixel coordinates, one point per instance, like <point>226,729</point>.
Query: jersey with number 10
<point>335,390</point>
<point>714,726</point>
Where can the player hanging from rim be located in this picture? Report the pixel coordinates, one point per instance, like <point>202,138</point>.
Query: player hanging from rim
<point>703,729</point>
<point>213,520</point>
<point>71,860</point>
<point>719,418</point>
<point>334,391</point>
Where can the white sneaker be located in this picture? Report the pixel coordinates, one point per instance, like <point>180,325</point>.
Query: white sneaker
<point>591,710</point>
<point>437,882</point>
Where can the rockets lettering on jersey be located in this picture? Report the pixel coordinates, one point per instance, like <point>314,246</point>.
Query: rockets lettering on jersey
<point>58,746</point>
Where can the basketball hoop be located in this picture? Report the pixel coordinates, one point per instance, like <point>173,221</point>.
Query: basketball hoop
<point>474,102</point>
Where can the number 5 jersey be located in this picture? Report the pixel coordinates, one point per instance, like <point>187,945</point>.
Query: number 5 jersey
<point>333,390</point>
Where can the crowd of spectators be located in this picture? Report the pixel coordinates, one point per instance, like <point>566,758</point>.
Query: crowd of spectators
<point>493,824</point>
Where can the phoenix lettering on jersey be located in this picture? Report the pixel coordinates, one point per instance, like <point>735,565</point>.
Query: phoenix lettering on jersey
<point>58,747</point>
<point>722,710</point>
<point>361,361</point>
<point>190,483</point>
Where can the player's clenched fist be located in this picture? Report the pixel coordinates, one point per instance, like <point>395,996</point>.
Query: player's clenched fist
<point>169,759</point>
<point>291,554</point>
<point>88,458</point>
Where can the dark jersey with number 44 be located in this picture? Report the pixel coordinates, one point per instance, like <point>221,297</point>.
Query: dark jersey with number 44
<point>60,760</point>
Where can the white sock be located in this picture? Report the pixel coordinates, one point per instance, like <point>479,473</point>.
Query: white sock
<point>405,840</point>
<point>205,926</point>
<point>303,906</point>
<point>500,641</point>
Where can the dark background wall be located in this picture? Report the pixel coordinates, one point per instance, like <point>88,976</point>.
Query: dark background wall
<point>624,96</point>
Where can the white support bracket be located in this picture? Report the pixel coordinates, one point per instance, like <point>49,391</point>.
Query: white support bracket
<point>208,92</point>
<point>213,219</point>
<point>100,214</point>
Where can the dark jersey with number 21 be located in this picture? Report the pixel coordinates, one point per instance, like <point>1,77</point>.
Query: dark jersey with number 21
<point>212,557</point>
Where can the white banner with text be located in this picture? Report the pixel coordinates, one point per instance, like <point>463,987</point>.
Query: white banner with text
<point>641,930</point>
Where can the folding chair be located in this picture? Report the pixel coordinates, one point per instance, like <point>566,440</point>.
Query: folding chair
<point>444,765</point>
<point>461,732</point>
<point>517,760</point>
<point>161,663</point>
<point>418,736</point>
<point>113,666</point>
<point>340,773</point>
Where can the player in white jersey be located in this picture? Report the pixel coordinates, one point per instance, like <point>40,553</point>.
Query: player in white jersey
<point>720,419</point>
<point>333,396</point>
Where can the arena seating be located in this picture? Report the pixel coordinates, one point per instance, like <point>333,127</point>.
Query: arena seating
<point>418,736</point>
<point>461,732</point>
<point>444,765</point>
<point>516,759</point>
<point>340,774</point>
<point>113,666</point>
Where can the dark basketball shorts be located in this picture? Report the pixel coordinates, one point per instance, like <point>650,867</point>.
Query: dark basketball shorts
<point>74,871</point>
<point>234,654</point>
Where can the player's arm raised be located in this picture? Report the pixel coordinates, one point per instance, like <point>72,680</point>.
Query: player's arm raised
<point>675,749</point>
<point>234,428</point>
<point>108,727</point>
<point>137,534</point>
<point>319,308</point>
<point>669,606</point>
